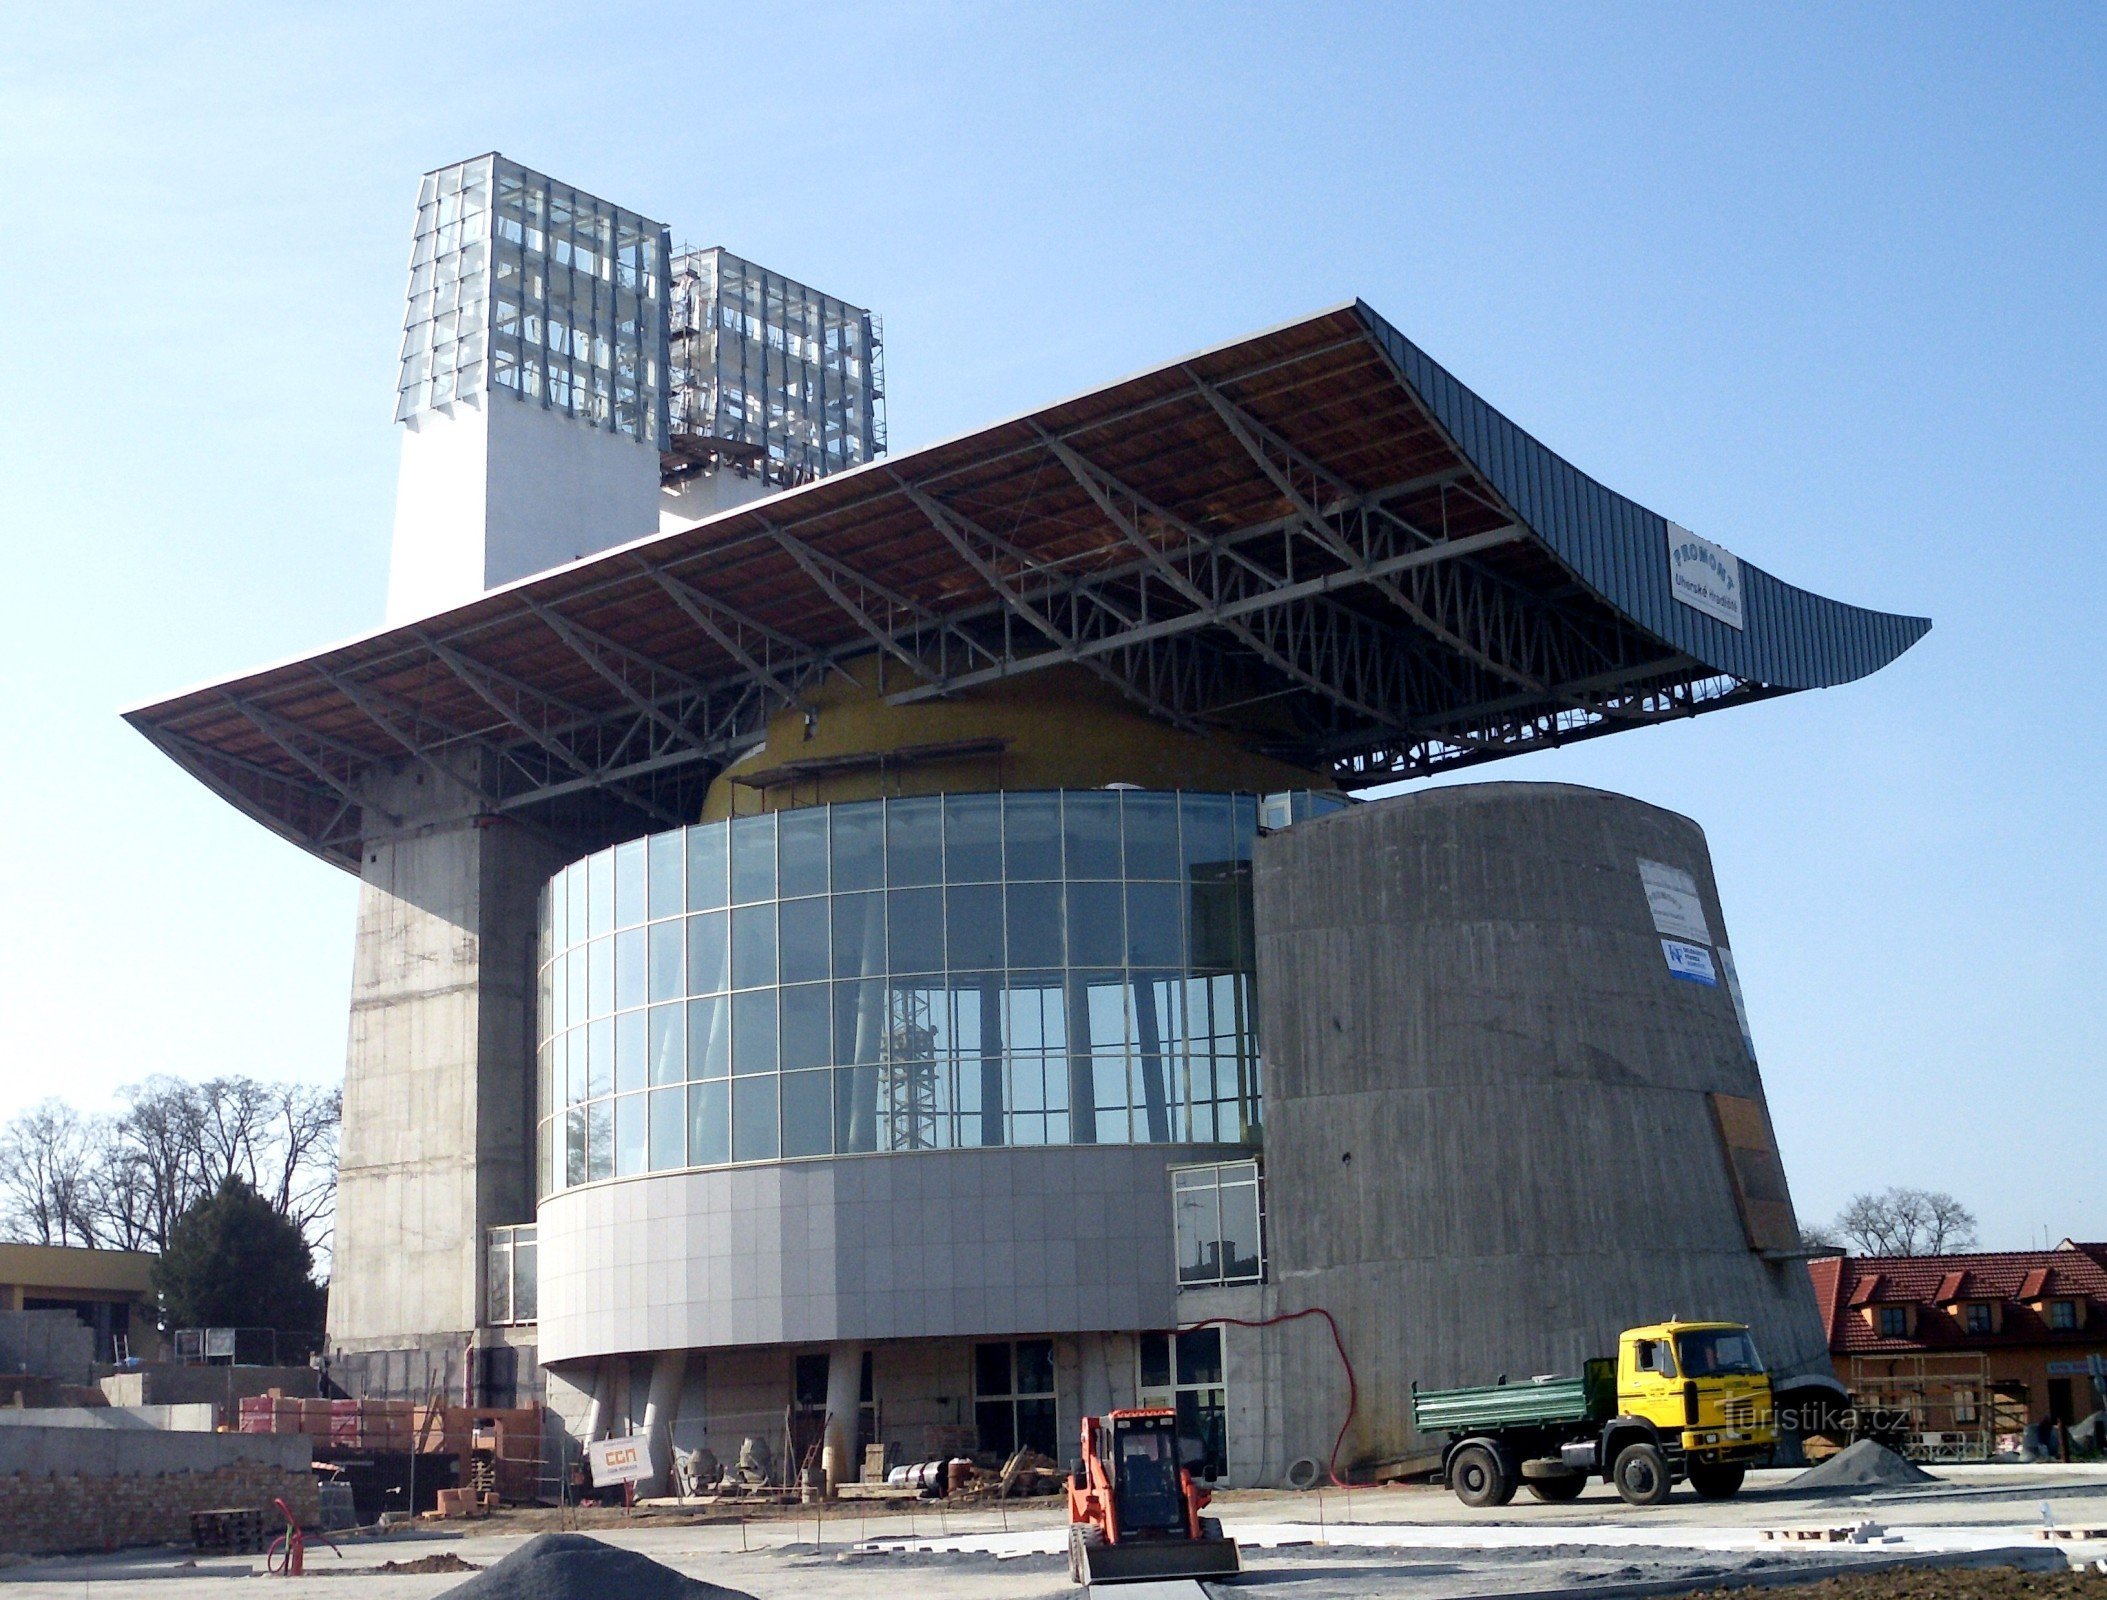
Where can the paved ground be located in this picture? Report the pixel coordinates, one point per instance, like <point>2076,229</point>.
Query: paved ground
<point>1386,1544</point>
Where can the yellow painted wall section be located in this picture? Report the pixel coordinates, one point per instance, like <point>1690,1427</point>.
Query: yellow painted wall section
<point>50,1271</point>
<point>1062,728</point>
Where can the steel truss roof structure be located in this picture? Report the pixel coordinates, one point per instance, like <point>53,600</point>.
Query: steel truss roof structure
<point>1313,541</point>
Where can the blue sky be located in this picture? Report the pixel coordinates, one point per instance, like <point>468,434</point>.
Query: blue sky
<point>1824,284</point>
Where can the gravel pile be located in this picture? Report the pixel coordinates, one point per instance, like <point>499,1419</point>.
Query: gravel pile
<point>1864,1465</point>
<point>570,1566</point>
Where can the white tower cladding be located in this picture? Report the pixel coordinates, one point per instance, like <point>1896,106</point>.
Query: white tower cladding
<point>534,383</point>
<point>774,384</point>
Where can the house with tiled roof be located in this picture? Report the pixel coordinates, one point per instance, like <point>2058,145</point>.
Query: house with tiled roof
<point>1974,1347</point>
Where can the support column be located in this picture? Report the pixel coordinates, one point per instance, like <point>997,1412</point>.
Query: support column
<point>844,1397</point>
<point>669,1370</point>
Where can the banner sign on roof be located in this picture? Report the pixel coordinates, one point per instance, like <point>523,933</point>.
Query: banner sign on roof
<point>1671,895</point>
<point>1704,576</point>
<point>1690,962</point>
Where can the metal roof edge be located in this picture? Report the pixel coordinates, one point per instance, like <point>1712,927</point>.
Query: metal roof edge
<point>1792,638</point>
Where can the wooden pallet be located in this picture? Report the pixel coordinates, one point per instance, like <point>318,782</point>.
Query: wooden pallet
<point>1808,1535</point>
<point>229,1530</point>
<point>2074,1534</point>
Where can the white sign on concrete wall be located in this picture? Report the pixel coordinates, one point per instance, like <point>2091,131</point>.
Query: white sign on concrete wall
<point>1691,962</point>
<point>625,1460</point>
<point>1672,897</point>
<point>1741,1012</point>
<point>1704,576</point>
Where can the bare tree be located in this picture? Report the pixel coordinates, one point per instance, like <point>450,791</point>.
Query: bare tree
<point>1906,1222</point>
<point>47,1162</point>
<point>123,1181</point>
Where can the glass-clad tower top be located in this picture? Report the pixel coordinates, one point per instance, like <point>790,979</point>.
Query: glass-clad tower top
<point>930,973</point>
<point>526,286</point>
<point>769,373</point>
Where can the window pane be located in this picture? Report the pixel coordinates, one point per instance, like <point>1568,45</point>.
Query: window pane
<point>571,1057</point>
<point>753,946</point>
<point>914,850</point>
<point>1031,835</point>
<point>1096,934</point>
<point>753,859</point>
<point>1090,820</point>
<point>753,1031</point>
<point>1035,1366</point>
<point>706,867</point>
<point>574,1167</point>
<point>1035,925</point>
<point>1037,1427</point>
<point>915,926</point>
<point>600,1140</point>
<point>1199,1235</point>
<point>858,857</point>
<point>669,1129</point>
<point>808,1113</point>
<point>859,935</point>
<point>669,1040</point>
<point>629,883</point>
<point>859,1022</point>
<point>668,959</point>
<point>630,1051</point>
<point>630,969</point>
<point>631,1141</point>
<point>526,1297</point>
<point>1151,824</point>
<point>667,892</point>
<point>1200,1356</point>
<point>972,838</point>
<point>709,965</point>
<point>709,1037</point>
<point>1240,1257</point>
<point>991,1369</point>
<point>801,931</point>
<point>1155,1361</point>
<point>754,1119</point>
<point>600,1058</point>
<point>995,1427</point>
<point>574,899</point>
<point>600,977</point>
<point>801,851</point>
<point>1154,938</point>
<point>974,917</point>
<point>1204,820</point>
<point>806,1026</point>
<point>856,1108</point>
<point>600,892</point>
<point>709,1123</point>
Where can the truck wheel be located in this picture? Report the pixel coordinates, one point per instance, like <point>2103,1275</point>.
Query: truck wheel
<point>1082,1536</point>
<point>1641,1475</point>
<point>1478,1477</point>
<point>1717,1480</point>
<point>1557,1491</point>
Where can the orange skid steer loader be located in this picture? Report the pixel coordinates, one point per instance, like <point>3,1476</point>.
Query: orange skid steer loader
<point>1134,1510</point>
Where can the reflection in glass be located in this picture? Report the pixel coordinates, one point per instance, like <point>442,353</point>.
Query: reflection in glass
<point>631,967</point>
<point>631,1055</point>
<point>754,1119</point>
<point>629,883</point>
<point>801,852</point>
<point>669,1042</point>
<point>668,960</point>
<point>706,867</point>
<point>972,838</point>
<point>709,1123</point>
<point>709,1037</point>
<point>669,1129</point>
<point>709,954</point>
<point>753,946</point>
<point>753,1031</point>
<point>914,842</point>
<point>753,859</point>
<point>801,930</point>
<point>666,876</point>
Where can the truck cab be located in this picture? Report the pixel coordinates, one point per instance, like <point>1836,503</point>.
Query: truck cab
<point>1701,1389</point>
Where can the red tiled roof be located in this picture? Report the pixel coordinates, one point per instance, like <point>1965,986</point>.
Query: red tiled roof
<point>1844,1284</point>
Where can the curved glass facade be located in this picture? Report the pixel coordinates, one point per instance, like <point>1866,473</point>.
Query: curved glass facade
<point>930,973</point>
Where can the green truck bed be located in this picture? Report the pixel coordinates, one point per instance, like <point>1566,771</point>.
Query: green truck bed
<point>1533,1403</point>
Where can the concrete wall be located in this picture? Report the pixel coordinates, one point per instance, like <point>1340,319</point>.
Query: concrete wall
<point>1488,1142</point>
<point>492,489</point>
<point>1051,1239</point>
<point>170,1384</point>
<point>202,1417</point>
<point>105,1488</point>
<point>51,1344</point>
<point>438,1084</point>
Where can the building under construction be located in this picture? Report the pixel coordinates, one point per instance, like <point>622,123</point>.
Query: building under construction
<point>887,950</point>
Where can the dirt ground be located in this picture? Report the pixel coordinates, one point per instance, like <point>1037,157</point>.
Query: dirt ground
<point>1984,1583</point>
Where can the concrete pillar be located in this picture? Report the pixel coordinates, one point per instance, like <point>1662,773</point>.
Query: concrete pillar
<point>844,1397</point>
<point>669,1370</point>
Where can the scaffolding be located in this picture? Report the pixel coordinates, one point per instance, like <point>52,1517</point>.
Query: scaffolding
<point>1953,1412</point>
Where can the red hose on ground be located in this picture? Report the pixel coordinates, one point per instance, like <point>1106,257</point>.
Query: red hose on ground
<point>1353,1390</point>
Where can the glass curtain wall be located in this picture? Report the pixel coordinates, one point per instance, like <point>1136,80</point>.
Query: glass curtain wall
<point>932,973</point>
<point>523,284</point>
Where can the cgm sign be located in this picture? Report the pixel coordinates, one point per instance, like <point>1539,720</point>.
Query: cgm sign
<point>1704,576</point>
<point>626,1460</point>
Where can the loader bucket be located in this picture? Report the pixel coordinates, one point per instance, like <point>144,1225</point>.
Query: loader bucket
<point>1132,1561</point>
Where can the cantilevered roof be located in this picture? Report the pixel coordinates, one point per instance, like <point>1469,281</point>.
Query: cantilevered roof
<point>1313,541</point>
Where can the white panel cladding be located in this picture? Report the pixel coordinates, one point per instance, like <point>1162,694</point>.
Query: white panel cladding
<point>923,1245</point>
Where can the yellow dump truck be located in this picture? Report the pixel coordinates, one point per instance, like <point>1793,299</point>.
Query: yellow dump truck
<point>1683,1400</point>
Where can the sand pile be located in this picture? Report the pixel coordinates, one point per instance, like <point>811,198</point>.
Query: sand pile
<point>569,1566</point>
<point>1864,1465</point>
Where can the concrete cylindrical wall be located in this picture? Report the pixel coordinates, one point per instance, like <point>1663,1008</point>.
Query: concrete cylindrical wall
<point>1491,1141</point>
